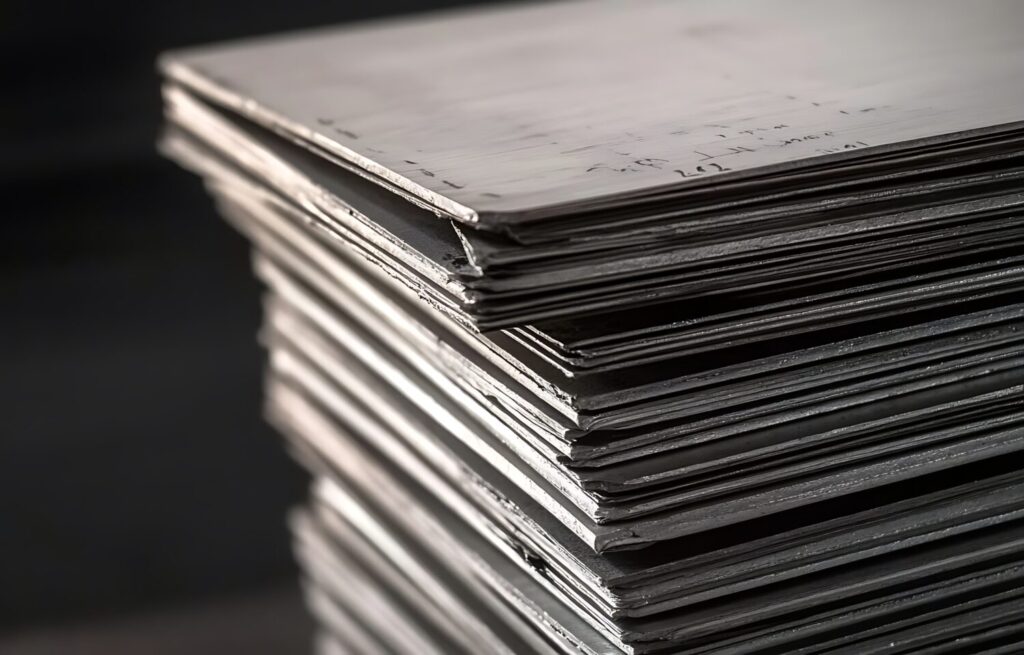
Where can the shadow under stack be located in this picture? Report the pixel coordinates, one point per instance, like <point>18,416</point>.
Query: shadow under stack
<point>640,327</point>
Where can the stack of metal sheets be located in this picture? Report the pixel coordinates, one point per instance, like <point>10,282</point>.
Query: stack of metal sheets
<point>640,327</point>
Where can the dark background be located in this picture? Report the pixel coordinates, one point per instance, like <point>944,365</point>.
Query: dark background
<point>135,471</point>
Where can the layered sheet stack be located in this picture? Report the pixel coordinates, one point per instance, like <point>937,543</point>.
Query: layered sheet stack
<point>641,327</point>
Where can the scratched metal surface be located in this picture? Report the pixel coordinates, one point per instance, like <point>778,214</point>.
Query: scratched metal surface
<point>491,115</point>
<point>435,261</point>
<point>611,487</point>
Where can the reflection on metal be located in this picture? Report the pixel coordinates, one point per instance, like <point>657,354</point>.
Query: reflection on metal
<point>640,327</point>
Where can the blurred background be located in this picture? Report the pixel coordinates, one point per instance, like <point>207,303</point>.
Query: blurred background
<point>142,498</point>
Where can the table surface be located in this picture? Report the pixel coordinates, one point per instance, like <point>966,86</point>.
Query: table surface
<point>271,620</point>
